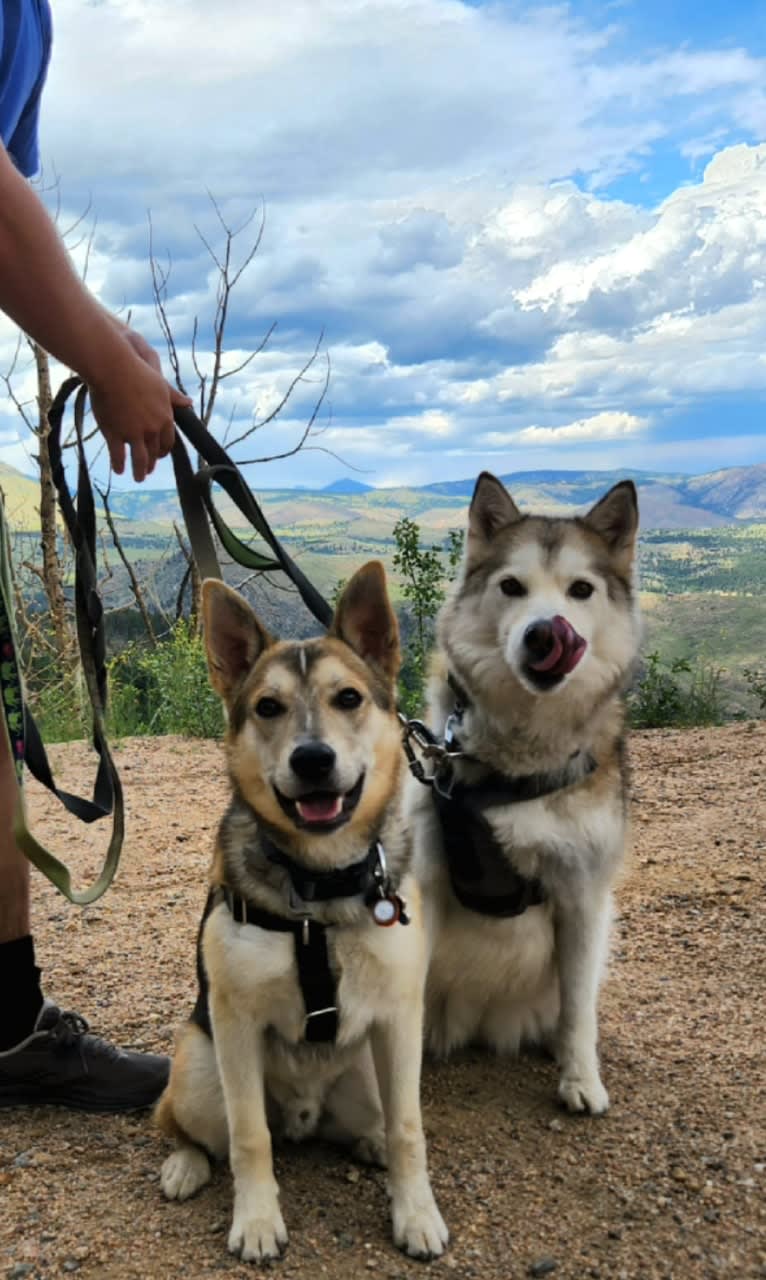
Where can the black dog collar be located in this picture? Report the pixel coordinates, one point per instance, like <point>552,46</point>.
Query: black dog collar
<point>311,885</point>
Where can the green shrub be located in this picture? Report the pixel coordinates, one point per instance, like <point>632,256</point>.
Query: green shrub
<point>165,689</point>
<point>674,693</point>
<point>756,683</point>
<point>60,712</point>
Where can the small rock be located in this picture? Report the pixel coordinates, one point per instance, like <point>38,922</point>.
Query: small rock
<point>556,1125</point>
<point>23,1161</point>
<point>19,1270</point>
<point>71,1264</point>
<point>353,1175</point>
<point>543,1267</point>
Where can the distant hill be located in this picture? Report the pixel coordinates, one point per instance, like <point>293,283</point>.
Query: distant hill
<point>21,498</point>
<point>347,485</point>
<point>739,490</point>
<point>668,500</point>
<point>350,509</point>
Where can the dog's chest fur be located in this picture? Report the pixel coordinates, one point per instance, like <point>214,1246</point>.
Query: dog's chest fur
<point>258,972</point>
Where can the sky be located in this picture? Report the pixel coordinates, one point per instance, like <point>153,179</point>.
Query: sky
<point>525,236</point>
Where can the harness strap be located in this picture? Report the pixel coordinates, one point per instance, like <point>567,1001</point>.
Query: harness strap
<point>500,788</point>
<point>481,876</point>
<point>322,886</point>
<point>316,978</point>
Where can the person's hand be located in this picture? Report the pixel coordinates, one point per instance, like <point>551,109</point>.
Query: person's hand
<point>133,406</point>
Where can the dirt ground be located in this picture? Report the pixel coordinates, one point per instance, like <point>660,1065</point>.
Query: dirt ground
<point>669,1184</point>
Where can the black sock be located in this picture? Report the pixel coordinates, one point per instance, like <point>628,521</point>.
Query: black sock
<point>21,999</point>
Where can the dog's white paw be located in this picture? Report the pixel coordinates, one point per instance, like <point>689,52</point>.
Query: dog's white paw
<point>419,1229</point>
<point>583,1091</point>
<point>258,1237</point>
<point>371,1150</point>
<point>184,1172</point>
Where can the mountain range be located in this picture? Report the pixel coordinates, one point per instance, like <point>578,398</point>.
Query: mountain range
<point>350,508</point>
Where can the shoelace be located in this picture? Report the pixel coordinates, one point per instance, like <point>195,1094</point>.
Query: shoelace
<point>69,1027</point>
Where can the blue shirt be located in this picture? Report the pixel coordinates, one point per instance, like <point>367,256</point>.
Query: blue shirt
<point>25,45</point>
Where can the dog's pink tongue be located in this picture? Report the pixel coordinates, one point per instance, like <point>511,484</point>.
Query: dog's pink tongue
<point>566,651</point>
<point>320,808</point>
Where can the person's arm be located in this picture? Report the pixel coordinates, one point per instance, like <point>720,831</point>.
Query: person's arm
<point>41,292</point>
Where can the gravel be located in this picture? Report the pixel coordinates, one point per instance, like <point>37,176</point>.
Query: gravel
<point>669,1184</point>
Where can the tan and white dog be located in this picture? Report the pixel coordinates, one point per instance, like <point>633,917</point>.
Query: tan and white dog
<point>518,845</point>
<point>312,951</point>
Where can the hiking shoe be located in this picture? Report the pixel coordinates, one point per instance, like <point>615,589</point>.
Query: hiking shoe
<point>61,1064</point>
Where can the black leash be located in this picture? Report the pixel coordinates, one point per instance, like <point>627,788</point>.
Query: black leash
<point>199,511</point>
<point>79,518</point>
<point>197,505</point>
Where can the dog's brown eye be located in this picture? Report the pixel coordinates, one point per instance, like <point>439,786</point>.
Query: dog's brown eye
<point>268,708</point>
<point>347,699</point>
<point>581,590</point>
<point>512,587</point>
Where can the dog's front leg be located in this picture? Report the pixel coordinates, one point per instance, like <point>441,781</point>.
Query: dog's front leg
<point>257,1232</point>
<point>582,931</point>
<point>419,1228</point>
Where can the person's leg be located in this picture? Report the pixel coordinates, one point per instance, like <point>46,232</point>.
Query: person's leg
<point>19,977</point>
<point>46,1056</point>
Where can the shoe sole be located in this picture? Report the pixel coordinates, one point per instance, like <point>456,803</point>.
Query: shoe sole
<point>74,1103</point>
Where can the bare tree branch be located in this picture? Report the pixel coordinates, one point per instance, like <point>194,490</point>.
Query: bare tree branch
<point>135,586</point>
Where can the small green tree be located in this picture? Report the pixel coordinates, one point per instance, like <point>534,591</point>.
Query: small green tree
<point>423,577</point>
<point>455,545</point>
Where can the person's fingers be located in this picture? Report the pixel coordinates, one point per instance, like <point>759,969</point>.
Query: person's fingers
<point>140,460</point>
<point>116,455</point>
<point>178,397</point>
<point>166,439</point>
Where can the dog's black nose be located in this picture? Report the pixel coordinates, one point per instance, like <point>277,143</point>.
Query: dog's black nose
<point>539,639</point>
<point>312,761</point>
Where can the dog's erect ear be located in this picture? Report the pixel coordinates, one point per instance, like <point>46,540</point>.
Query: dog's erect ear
<point>365,620</point>
<point>615,517</point>
<point>234,637</point>
<point>492,508</point>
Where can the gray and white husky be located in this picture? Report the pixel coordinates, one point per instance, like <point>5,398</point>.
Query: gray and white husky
<point>520,839</point>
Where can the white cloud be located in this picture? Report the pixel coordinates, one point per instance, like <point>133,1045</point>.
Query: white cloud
<point>601,426</point>
<point>421,163</point>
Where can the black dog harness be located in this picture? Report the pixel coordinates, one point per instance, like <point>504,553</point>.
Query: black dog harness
<point>315,976</point>
<point>482,877</point>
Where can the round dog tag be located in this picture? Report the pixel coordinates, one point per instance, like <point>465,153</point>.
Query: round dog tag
<point>385,911</point>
